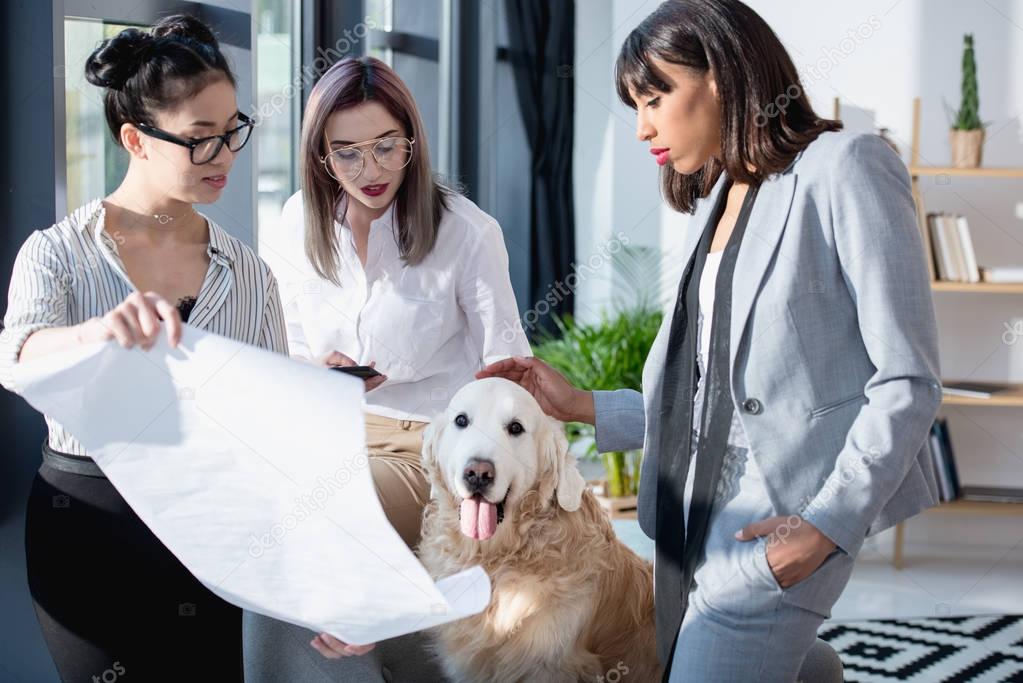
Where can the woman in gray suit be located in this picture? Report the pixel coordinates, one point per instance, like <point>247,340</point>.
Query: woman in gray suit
<point>803,334</point>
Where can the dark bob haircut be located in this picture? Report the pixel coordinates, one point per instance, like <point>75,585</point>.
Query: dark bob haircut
<point>148,71</point>
<point>766,117</point>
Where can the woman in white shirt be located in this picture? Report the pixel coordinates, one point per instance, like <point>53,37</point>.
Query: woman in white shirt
<point>381,264</point>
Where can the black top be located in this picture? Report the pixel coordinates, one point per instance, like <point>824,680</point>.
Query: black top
<point>185,306</point>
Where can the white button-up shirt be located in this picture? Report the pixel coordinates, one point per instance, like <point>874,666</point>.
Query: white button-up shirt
<point>428,327</point>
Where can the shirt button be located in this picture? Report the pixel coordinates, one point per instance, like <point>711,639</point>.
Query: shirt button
<point>752,406</point>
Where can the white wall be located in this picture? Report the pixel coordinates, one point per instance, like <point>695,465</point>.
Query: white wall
<point>615,176</point>
<point>876,55</point>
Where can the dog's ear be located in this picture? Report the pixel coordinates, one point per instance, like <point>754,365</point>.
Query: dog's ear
<point>431,440</point>
<point>570,483</point>
<point>431,435</point>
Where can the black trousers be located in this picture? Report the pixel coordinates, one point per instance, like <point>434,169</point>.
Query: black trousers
<point>111,599</point>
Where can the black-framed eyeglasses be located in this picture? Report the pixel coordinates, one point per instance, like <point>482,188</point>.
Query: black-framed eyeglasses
<point>390,153</point>
<point>205,150</point>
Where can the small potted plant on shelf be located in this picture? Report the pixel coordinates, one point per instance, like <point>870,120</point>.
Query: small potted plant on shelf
<point>967,134</point>
<point>608,355</point>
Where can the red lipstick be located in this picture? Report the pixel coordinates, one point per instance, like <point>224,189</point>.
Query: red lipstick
<point>374,190</point>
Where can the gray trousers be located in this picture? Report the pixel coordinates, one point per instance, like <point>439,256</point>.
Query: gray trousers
<point>278,652</point>
<point>740,624</point>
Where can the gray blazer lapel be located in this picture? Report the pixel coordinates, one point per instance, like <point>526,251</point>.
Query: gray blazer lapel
<point>764,230</point>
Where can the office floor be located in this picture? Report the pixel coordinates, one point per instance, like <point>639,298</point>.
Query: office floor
<point>982,576</point>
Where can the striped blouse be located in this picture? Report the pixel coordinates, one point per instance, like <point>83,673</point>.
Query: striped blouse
<point>72,272</point>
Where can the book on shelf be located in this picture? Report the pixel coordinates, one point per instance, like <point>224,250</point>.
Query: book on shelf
<point>972,389</point>
<point>943,459</point>
<point>951,227</point>
<point>992,494</point>
<point>1002,274</point>
<point>936,461</point>
<point>949,462</point>
<point>942,255</point>
<point>955,259</point>
<point>969,256</point>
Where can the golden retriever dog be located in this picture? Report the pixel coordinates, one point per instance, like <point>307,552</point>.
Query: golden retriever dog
<point>569,601</point>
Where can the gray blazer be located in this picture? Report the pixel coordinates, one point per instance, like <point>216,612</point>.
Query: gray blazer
<point>834,357</point>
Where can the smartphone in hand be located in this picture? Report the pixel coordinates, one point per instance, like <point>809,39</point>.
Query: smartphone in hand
<point>360,371</point>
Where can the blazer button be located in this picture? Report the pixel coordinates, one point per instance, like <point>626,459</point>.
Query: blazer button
<point>752,406</point>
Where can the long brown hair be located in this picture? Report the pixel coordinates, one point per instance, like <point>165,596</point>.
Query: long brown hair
<point>766,117</point>
<point>420,201</point>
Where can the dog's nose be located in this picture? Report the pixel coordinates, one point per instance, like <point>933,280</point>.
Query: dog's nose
<point>478,475</point>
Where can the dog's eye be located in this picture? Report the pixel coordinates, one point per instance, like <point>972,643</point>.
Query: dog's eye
<point>462,420</point>
<point>516,428</point>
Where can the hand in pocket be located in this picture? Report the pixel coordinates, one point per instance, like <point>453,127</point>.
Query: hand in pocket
<point>795,548</point>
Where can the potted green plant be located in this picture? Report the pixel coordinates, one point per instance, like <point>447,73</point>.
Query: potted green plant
<point>605,355</point>
<point>967,135</point>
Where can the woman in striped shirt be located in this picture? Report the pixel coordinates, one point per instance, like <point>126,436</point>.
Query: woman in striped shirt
<point>108,594</point>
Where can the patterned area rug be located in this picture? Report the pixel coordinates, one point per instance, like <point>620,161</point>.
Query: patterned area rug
<point>984,649</point>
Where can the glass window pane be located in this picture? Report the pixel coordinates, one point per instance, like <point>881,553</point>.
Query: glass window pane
<point>279,86</point>
<point>380,13</point>
<point>420,19</point>
<point>95,163</point>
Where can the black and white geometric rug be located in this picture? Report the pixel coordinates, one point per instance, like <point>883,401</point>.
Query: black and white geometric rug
<point>984,649</point>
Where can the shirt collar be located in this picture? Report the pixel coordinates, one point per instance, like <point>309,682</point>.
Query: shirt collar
<point>386,220</point>
<point>86,218</point>
<point>218,250</point>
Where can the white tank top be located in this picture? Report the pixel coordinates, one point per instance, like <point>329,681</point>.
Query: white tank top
<point>708,279</point>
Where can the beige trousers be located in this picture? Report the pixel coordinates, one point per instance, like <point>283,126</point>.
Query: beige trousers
<point>395,448</point>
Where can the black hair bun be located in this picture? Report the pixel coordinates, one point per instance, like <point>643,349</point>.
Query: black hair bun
<point>117,59</point>
<point>183,26</point>
<point>145,71</point>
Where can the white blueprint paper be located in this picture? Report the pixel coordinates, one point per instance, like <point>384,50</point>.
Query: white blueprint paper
<point>251,468</point>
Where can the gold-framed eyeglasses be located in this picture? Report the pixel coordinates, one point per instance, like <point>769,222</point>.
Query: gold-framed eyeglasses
<point>346,163</point>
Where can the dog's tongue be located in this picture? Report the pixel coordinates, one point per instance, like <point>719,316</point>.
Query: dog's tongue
<point>479,518</point>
